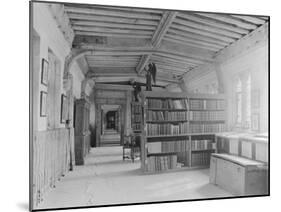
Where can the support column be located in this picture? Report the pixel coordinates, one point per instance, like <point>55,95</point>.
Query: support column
<point>68,87</point>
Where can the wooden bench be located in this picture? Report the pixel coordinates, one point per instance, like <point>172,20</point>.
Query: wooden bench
<point>239,175</point>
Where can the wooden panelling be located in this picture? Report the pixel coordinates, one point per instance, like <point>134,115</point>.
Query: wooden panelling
<point>51,160</point>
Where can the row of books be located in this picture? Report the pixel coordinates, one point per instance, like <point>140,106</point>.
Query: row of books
<point>161,163</point>
<point>200,159</point>
<point>206,128</point>
<point>136,117</point>
<point>203,104</point>
<point>206,115</point>
<point>201,144</point>
<point>136,127</point>
<point>136,108</point>
<point>167,129</point>
<point>166,116</point>
<point>168,146</point>
<point>167,103</point>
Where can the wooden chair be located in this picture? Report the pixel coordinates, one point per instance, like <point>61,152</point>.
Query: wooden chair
<point>131,142</point>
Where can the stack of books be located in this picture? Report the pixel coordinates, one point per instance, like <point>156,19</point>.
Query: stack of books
<point>161,163</point>
<point>168,146</point>
<point>203,104</point>
<point>201,144</point>
<point>167,103</point>
<point>200,159</point>
<point>167,129</point>
<point>206,115</point>
<point>207,128</point>
<point>166,115</point>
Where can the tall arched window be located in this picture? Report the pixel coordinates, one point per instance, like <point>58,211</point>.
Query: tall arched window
<point>238,101</point>
<point>248,102</point>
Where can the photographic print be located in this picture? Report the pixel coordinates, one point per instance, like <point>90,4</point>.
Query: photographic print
<point>43,102</point>
<point>151,107</point>
<point>44,72</point>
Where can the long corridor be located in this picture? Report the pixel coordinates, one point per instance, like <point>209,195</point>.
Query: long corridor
<point>107,179</point>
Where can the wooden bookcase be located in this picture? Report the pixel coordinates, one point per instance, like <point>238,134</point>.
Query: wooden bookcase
<point>136,117</point>
<point>179,129</point>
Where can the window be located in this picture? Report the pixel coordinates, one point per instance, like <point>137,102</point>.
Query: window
<point>238,101</point>
<point>248,102</point>
<point>243,101</point>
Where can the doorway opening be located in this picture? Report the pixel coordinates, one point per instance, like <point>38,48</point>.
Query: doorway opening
<point>111,125</point>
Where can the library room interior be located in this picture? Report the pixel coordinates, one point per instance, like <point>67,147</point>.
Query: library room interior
<point>138,105</point>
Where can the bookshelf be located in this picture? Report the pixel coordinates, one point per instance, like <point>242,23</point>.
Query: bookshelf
<point>179,130</point>
<point>136,117</point>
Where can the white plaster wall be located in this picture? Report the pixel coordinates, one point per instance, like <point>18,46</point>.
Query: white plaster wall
<point>51,38</point>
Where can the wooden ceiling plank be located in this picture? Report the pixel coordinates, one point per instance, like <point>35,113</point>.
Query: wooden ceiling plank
<point>194,40</point>
<point>192,43</point>
<point>186,51</point>
<point>250,19</point>
<point>165,23</point>
<point>90,17</point>
<point>184,29</point>
<point>122,35</point>
<point>205,27</point>
<point>171,68</point>
<point>142,63</point>
<point>111,30</point>
<point>229,19</point>
<point>172,60</point>
<point>112,65</point>
<point>112,25</point>
<point>145,10</point>
<point>177,65</point>
<point>214,23</point>
<point>196,34</point>
<point>197,37</point>
<point>181,58</point>
<point>115,13</point>
<point>168,63</point>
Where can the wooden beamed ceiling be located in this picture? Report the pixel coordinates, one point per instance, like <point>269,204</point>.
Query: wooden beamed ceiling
<point>124,40</point>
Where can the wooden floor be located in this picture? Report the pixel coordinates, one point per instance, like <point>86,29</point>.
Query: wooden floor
<point>107,179</point>
<point>110,138</point>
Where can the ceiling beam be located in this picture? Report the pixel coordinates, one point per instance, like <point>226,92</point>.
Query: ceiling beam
<point>115,13</point>
<point>250,19</point>
<point>230,20</point>
<point>185,29</point>
<point>167,19</point>
<point>197,41</point>
<point>205,27</point>
<point>120,35</point>
<point>111,30</point>
<point>142,63</point>
<point>112,25</point>
<point>190,42</point>
<point>110,19</point>
<point>214,23</point>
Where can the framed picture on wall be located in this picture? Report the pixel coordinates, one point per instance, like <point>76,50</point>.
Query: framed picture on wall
<point>44,72</point>
<point>255,122</point>
<point>43,102</point>
<point>63,109</point>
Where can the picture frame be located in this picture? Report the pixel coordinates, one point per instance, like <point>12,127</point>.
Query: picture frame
<point>44,72</point>
<point>255,122</point>
<point>43,103</point>
<point>63,109</point>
